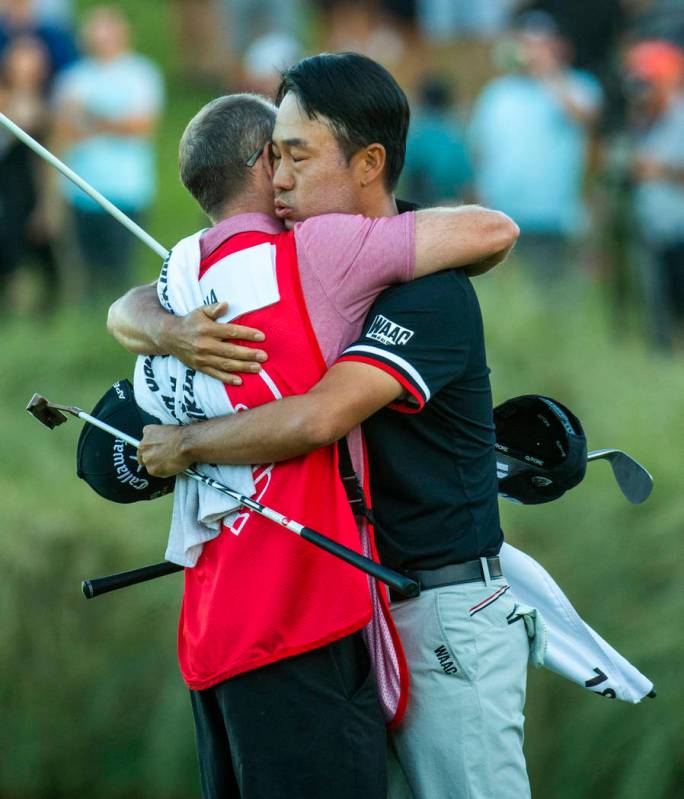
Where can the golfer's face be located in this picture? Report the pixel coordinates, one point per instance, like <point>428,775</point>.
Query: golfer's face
<point>311,175</point>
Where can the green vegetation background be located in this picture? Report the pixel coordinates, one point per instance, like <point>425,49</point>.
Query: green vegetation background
<point>91,701</point>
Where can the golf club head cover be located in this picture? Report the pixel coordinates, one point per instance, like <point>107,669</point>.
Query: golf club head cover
<point>109,465</point>
<point>541,449</point>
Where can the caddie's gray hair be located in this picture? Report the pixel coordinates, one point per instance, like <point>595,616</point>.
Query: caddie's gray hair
<point>216,144</point>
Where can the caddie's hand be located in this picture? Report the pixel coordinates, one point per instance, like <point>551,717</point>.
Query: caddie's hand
<point>204,344</point>
<point>160,450</point>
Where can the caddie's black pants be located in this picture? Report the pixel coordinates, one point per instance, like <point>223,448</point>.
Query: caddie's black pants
<point>307,727</point>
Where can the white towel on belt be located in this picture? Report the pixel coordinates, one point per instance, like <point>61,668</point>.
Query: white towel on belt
<point>175,394</point>
<point>573,649</point>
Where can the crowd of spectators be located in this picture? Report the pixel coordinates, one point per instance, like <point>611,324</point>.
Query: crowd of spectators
<point>88,97</point>
<point>567,114</point>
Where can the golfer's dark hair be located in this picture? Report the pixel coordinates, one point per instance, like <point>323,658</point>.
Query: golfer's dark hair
<point>216,144</point>
<point>360,100</point>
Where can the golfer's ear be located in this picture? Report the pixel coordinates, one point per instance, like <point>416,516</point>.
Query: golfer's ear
<point>371,163</point>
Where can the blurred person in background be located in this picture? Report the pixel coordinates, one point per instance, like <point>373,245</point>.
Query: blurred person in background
<point>55,12</point>
<point>456,38</point>
<point>24,227</point>
<point>107,109</point>
<point>245,21</point>
<point>655,76</point>
<point>592,27</point>
<point>446,19</point>
<point>21,18</point>
<point>203,57</point>
<point>236,44</point>
<point>529,133</point>
<point>373,28</point>
<point>264,60</point>
<point>658,19</point>
<point>437,163</point>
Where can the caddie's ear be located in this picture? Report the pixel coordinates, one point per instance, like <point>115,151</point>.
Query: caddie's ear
<point>370,164</point>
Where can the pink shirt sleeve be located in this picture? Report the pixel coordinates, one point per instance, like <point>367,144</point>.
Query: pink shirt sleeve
<point>354,258</point>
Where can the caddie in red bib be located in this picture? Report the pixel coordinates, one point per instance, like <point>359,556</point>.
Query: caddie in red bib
<point>259,594</point>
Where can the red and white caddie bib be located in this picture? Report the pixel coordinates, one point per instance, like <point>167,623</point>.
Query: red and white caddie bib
<point>259,593</point>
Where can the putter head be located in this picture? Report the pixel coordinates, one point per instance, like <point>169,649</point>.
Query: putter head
<point>45,412</point>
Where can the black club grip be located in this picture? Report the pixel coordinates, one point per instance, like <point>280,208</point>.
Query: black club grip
<point>103,585</point>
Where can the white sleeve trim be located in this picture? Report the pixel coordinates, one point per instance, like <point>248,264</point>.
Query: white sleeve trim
<point>405,366</point>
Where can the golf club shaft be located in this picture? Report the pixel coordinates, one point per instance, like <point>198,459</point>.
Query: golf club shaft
<point>397,581</point>
<point>95,195</point>
<point>394,579</point>
<point>86,417</point>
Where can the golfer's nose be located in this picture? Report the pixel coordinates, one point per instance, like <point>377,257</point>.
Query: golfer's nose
<point>283,177</point>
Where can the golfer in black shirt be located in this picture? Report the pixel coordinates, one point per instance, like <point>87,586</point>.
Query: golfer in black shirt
<point>431,454</point>
<point>434,495</point>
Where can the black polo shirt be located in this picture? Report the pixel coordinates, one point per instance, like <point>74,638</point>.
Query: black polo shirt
<point>432,464</point>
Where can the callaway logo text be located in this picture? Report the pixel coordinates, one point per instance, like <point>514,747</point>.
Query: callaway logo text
<point>123,473</point>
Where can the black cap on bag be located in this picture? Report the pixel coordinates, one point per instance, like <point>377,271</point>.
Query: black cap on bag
<point>109,465</point>
<point>541,449</point>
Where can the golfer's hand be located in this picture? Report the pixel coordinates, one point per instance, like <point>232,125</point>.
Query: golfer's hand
<point>204,344</point>
<point>160,450</point>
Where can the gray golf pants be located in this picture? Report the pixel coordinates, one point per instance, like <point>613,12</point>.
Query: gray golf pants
<point>467,648</point>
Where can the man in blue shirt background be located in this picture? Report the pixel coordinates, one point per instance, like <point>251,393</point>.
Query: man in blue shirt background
<point>529,134</point>
<point>107,108</point>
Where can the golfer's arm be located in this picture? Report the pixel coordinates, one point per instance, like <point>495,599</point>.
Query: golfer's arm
<point>139,323</point>
<point>347,395</point>
<point>467,236</point>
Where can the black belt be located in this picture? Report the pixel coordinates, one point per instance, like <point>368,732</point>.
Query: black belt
<point>454,574</point>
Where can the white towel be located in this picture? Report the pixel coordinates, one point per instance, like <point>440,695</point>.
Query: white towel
<point>175,394</point>
<point>573,649</point>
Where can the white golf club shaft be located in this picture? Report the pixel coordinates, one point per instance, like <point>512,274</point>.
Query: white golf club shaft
<point>400,582</point>
<point>94,194</point>
<point>271,514</point>
<point>108,428</point>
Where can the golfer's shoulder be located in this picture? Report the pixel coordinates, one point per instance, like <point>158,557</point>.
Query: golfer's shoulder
<point>436,312</point>
<point>430,306</point>
<point>444,293</point>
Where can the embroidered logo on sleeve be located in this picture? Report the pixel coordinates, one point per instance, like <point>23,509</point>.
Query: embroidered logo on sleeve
<point>386,331</point>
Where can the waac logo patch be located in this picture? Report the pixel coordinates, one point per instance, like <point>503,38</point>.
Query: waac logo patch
<point>386,331</point>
